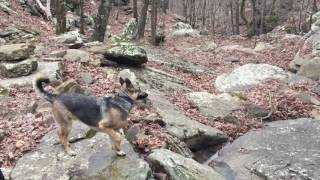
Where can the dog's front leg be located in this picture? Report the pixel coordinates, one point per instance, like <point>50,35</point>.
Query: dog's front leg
<point>115,138</point>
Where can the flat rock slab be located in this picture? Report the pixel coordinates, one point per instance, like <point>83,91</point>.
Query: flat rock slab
<point>127,54</point>
<point>196,135</point>
<point>94,160</point>
<point>16,52</point>
<point>181,168</point>
<point>287,149</point>
<point>247,76</point>
<point>22,68</point>
<point>53,70</point>
<point>213,106</point>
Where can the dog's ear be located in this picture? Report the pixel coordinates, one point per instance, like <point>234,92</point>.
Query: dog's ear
<point>128,82</point>
<point>121,81</point>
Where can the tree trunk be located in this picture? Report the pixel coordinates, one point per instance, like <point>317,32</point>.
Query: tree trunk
<point>154,22</point>
<point>82,23</point>
<point>142,20</point>
<point>237,17</point>
<point>101,20</point>
<point>135,9</point>
<point>254,18</point>
<point>61,17</point>
<point>46,9</point>
<point>231,19</point>
<point>242,14</point>
<point>262,20</point>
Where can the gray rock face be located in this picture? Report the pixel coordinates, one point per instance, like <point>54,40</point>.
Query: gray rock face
<point>53,70</point>
<point>247,76</point>
<point>94,160</point>
<point>181,168</point>
<point>76,55</point>
<point>185,33</point>
<point>16,52</point>
<point>196,135</point>
<point>130,28</point>
<point>212,106</point>
<point>127,54</point>
<point>311,69</point>
<point>282,150</point>
<point>23,68</point>
<point>181,25</point>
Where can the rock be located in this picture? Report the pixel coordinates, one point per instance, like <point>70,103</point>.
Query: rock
<point>160,37</point>
<point>126,73</point>
<point>4,91</point>
<point>297,79</point>
<point>77,55</point>
<point>127,54</point>
<point>257,111</point>
<point>179,167</point>
<point>16,52</point>
<point>23,68</point>
<point>86,78</point>
<point>53,70</point>
<point>247,76</point>
<point>2,41</point>
<point>94,160</point>
<point>281,150</point>
<point>72,39</point>
<point>185,33</point>
<point>262,46</point>
<point>204,32</point>
<point>58,53</point>
<point>231,59</point>
<point>210,46</point>
<point>311,69</point>
<point>52,59</point>
<point>130,28</point>
<point>238,48</point>
<point>196,135</point>
<point>212,106</point>
<point>69,86</point>
<point>3,134</point>
<point>181,25</point>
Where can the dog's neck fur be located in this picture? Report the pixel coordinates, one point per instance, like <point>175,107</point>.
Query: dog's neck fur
<point>122,100</point>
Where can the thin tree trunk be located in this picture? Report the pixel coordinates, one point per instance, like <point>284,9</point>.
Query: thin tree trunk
<point>101,20</point>
<point>262,23</point>
<point>237,17</point>
<point>232,23</point>
<point>61,17</point>
<point>142,20</point>
<point>135,9</point>
<point>154,22</point>
<point>254,18</point>
<point>46,9</point>
<point>82,23</point>
<point>242,14</point>
<point>204,13</point>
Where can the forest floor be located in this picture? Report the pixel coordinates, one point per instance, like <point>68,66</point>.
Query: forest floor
<point>24,129</point>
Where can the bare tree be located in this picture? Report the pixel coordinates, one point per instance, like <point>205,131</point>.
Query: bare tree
<point>154,22</point>
<point>82,23</point>
<point>101,20</point>
<point>142,20</point>
<point>46,9</point>
<point>61,16</point>
<point>135,9</point>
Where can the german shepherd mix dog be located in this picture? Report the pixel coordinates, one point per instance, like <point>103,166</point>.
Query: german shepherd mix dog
<point>104,114</point>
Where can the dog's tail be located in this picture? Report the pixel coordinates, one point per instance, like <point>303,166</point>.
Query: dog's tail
<point>37,85</point>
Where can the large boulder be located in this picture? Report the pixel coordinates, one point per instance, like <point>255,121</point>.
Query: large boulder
<point>23,68</point>
<point>127,54</point>
<point>181,25</point>
<point>311,69</point>
<point>212,106</point>
<point>281,150</point>
<point>16,52</point>
<point>179,167</point>
<point>247,76</point>
<point>94,160</point>
<point>77,55</point>
<point>53,70</point>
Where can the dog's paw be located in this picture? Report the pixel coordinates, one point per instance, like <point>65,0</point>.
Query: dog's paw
<point>120,153</point>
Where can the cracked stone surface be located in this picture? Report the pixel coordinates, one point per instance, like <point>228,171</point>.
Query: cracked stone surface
<point>94,160</point>
<point>287,149</point>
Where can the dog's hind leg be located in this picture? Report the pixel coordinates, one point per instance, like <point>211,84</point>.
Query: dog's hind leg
<point>64,121</point>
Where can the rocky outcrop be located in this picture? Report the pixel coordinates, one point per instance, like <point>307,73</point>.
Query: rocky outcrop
<point>179,167</point>
<point>184,30</point>
<point>130,28</point>
<point>94,160</point>
<point>310,69</point>
<point>127,54</point>
<point>72,39</point>
<point>23,68</point>
<point>16,52</point>
<point>247,76</point>
<point>77,55</point>
<point>281,150</point>
<point>212,106</point>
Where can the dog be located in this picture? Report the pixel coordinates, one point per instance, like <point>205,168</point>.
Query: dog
<point>103,114</point>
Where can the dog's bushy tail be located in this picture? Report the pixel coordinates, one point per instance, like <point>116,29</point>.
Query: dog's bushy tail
<point>37,85</point>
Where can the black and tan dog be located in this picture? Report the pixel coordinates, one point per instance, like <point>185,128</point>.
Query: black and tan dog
<point>104,114</point>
